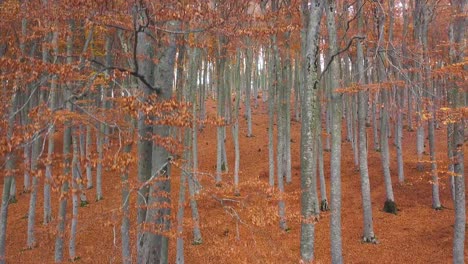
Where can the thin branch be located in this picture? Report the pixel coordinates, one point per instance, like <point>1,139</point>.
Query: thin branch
<point>339,52</point>
<point>134,73</point>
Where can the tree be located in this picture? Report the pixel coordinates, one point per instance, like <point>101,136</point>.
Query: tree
<point>9,167</point>
<point>153,158</point>
<point>390,205</point>
<point>335,162</point>
<point>309,202</point>
<point>458,101</point>
<point>368,232</point>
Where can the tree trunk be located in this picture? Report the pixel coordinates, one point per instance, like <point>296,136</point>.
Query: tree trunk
<point>309,212</point>
<point>368,230</point>
<point>335,161</point>
<point>271,120</point>
<point>280,127</point>
<point>35,155</point>
<point>374,122</point>
<point>75,203</point>
<point>155,242</point>
<point>51,140</point>
<point>389,206</point>
<point>180,208</point>
<point>145,67</point>
<point>194,55</point>
<point>89,172</point>
<point>220,161</point>
<point>458,101</point>
<point>235,127</point>
<point>9,167</point>
<point>248,86</point>
<point>125,227</point>
<point>67,134</point>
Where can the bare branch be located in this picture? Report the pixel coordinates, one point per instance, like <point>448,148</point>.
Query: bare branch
<point>134,73</point>
<point>339,52</point>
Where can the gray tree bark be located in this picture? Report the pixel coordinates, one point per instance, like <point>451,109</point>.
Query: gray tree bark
<point>458,100</point>
<point>125,227</point>
<point>154,243</point>
<point>75,202</point>
<point>235,126</point>
<point>9,167</point>
<point>309,202</point>
<point>368,230</point>
<point>194,55</point>
<point>281,125</point>
<point>35,155</point>
<point>427,11</point>
<point>145,67</point>
<point>248,86</point>
<point>389,205</point>
<point>271,120</point>
<point>335,161</point>
<point>88,150</point>
<point>67,134</point>
<point>220,160</point>
<point>51,140</point>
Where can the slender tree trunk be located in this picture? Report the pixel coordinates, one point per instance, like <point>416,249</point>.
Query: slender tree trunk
<point>51,141</point>
<point>335,161</point>
<point>297,89</point>
<point>220,161</point>
<point>436,204</point>
<point>399,136</point>
<point>145,66</point>
<point>24,115</point>
<point>155,242</point>
<point>67,134</point>
<point>9,167</point>
<point>194,55</point>
<point>309,212</point>
<point>36,145</point>
<point>458,101</point>
<point>400,99</point>
<point>125,227</point>
<point>271,120</point>
<point>89,172</point>
<point>75,201</point>
<point>12,198</point>
<point>235,127</point>
<point>323,187</point>
<point>202,95</point>
<point>368,230</point>
<point>280,170</point>
<point>389,206</point>
<point>181,203</point>
<point>248,87</point>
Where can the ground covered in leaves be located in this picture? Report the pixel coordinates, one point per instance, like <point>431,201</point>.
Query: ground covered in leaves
<point>244,229</point>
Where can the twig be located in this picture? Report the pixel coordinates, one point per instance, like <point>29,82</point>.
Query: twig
<point>339,52</point>
<point>134,73</point>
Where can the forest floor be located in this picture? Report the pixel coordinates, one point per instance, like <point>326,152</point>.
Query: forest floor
<point>245,229</point>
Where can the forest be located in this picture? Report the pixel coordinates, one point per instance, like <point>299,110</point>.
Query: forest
<point>233,131</point>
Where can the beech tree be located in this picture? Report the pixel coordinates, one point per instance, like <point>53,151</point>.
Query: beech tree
<point>309,202</point>
<point>457,101</point>
<point>368,232</point>
<point>113,96</point>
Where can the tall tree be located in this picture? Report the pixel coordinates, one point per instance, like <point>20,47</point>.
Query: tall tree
<point>9,168</point>
<point>381,57</point>
<point>67,134</point>
<point>154,245</point>
<point>309,202</point>
<point>368,231</point>
<point>335,161</point>
<point>458,100</point>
